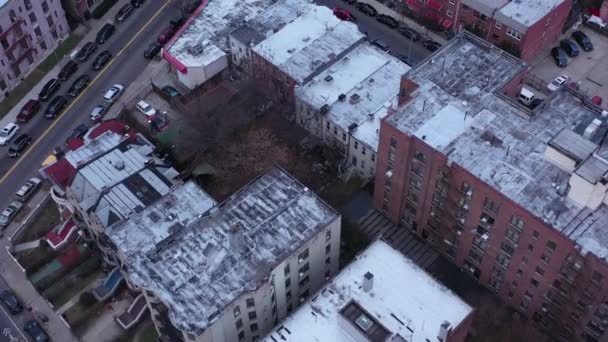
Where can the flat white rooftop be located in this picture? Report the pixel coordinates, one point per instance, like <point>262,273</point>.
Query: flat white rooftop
<point>213,24</point>
<point>403,300</point>
<point>372,75</point>
<point>197,269</point>
<point>309,42</point>
<point>520,15</point>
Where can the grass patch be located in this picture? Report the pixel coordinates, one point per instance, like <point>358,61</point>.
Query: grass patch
<point>78,315</point>
<point>339,193</point>
<point>37,74</point>
<point>67,287</point>
<point>32,260</point>
<point>45,220</point>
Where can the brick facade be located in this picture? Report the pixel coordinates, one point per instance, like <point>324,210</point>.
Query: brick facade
<point>523,260</point>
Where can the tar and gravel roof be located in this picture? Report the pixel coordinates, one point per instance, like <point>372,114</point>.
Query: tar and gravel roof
<point>366,71</point>
<point>520,14</point>
<point>212,26</point>
<point>191,270</point>
<point>457,111</point>
<point>306,45</point>
<point>404,300</point>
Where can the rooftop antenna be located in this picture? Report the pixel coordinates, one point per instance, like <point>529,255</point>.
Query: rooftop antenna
<point>443,64</point>
<point>466,113</point>
<point>508,148</point>
<point>424,105</point>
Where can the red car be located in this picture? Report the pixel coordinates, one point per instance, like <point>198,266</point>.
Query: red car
<point>597,100</point>
<point>29,109</point>
<point>344,14</point>
<point>164,36</point>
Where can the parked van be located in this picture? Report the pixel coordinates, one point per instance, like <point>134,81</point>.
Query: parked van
<point>526,96</point>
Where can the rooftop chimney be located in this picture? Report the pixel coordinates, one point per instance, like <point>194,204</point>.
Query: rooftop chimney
<point>368,281</point>
<point>444,330</point>
<point>592,128</point>
<point>406,89</point>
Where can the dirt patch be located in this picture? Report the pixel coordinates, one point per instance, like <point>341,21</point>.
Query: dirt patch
<point>44,220</point>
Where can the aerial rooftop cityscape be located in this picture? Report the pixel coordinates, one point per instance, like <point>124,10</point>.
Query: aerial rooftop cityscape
<point>304,170</point>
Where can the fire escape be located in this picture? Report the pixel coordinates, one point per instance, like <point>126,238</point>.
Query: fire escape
<point>17,45</point>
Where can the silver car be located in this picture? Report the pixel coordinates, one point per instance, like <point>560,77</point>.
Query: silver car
<point>28,189</point>
<point>113,94</point>
<point>9,213</point>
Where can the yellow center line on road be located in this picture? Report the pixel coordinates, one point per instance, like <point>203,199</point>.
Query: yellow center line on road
<point>55,122</point>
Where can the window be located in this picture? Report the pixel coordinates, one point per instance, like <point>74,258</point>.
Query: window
<point>287,282</point>
<point>253,327</point>
<point>288,295</point>
<point>327,249</point>
<point>465,187</point>
<point>289,308</point>
<point>303,256</point>
<point>597,278</point>
<point>420,156</point>
<point>38,33</point>
<point>491,205</point>
<point>252,315</point>
<point>327,125</point>
<point>241,335</point>
<point>363,150</point>
<point>286,270</point>
<point>393,142</point>
<point>514,34</point>
<point>45,7</point>
<point>304,281</point>
<point>524,304</point>
<point>540,271</point>
<point>519,273</point>
<point>343,136</point>
<point>498,25</point>
<point>534,283</point>
<point>452,2</point>
<point>33,18</point>
<point>335,130</point>
<point>530,247</point>
<point>250,302</point>
<point>545,258</point>
<point>239,324</point>
<point>551,246</point>
<point>507,248</point>
<point>512,235</point>
<point>466,8</point>
<point>535,234</point>
<point>356,145</point>
<point>450,13</point>
<point>327,261</point>
<point>517,222</point>
<point>303,269</point>
<point>50,21</point>
<point>373,157</point>
<point>328,235</point>
<point>237,311</point>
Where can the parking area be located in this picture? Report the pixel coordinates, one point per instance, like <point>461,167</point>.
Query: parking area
<point>588,68</point>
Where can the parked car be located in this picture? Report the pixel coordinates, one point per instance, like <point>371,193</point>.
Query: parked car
<point>382,45</point>
<point>124,12</point>
<point>409,33</point>
<point>19,145</point>
<point>98,112</point>
<point>344,14</point>
<point>146,109</point>
<point>160,122</point>
<point>104,33</point>
<point>102,59</point>
<point>581,38</point>
<point>56,106</point>
<point>558,82</point>
<point>559,57</point>
<point>48,89</point>
<point>569,46</point>
<point>68,70</point>
<point>597,100</point>
<point>170,92</point>
<point>387,20</point>
<point>35,331</point>
<point>367,9</point>
<point>29,109</point>
<point>9,213</point>
<point>535,103</point>
<point>86,52</point>
<point>11,302</point>
<point>79,85</point>
<point>78,132</point>
<point>113,93</point>
<point>8,132</point>
<point>165,35</point>
<point>137,3</point>
<point>152,50</point>
<point>431,45</point>
<point>28,189</point>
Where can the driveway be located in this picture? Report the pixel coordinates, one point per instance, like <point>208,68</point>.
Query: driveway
<point>588,68</point>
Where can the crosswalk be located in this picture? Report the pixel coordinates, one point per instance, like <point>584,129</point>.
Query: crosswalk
<point>375,225</point>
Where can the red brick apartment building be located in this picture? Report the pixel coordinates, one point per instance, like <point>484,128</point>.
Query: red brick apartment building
<point>516,198</point>
<point>524,28</point>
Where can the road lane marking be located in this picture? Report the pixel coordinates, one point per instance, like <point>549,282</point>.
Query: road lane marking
<point>101,72</point>
<point>7,331</point>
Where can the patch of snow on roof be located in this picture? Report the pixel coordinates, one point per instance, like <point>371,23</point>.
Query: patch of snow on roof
<point>422,305</point>
<point>217,19</point>
<point>446,125</point>
<point>520,14</point>
<point>308,43</point>
<point>193,270</point>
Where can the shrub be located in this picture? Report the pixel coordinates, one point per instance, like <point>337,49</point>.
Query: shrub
<point>87,299</point>
<point>103,8</point>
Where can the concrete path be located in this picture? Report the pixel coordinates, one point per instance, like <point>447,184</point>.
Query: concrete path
<point>375,225</point>
<point>105,328</point>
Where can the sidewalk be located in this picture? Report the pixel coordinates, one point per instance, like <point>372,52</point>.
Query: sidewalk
<point>93,25</point>
<point>424,32</point>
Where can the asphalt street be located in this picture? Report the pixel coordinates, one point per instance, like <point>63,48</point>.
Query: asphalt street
<point>10,326</point>
<point>125,68</point>
<point>400,45</point>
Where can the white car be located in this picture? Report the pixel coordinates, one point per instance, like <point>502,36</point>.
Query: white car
<point>145,108</point>
<point>113,93</point>
<point>8,133</point>
<point>558,82</point>
<point>28,189</point>
<point>9,213</point>
<point>98,112</point>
